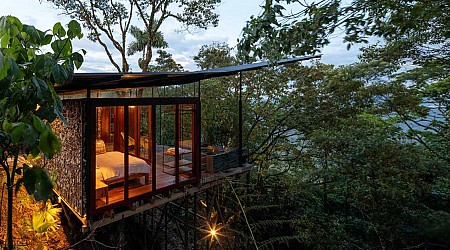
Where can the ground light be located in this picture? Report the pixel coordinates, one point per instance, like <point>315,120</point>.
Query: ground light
<point>212,235</point>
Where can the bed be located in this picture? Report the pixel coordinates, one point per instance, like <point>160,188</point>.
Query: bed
<point>111,167</point>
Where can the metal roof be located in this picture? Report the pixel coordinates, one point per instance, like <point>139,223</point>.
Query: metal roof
<point>103,81</point>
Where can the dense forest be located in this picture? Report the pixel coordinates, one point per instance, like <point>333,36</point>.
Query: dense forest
<point>346,157</point>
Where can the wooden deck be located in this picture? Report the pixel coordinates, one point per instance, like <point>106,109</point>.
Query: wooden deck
<point>207,181</point>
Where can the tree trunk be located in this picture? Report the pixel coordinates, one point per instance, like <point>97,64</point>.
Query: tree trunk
<point>147,59</point>
<point>125,65</point>
<point>10,188</point>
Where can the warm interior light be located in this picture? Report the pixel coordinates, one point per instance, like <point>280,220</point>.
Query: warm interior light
<point>38,107</point>
<point>213,232</point>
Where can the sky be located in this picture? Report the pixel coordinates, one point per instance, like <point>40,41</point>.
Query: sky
<point>182,45</point>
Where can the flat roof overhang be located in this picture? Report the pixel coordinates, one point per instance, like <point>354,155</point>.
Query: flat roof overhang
<point>106,81</point>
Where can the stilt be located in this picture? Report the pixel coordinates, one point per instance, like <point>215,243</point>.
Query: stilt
<point>186,222</point>
<point>165,227</point>
<point>195,222</point>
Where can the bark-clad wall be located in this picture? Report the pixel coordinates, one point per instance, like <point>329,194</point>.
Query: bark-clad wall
<point>69,164</point>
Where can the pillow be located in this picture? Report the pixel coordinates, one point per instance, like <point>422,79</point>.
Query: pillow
<point>100,147</point>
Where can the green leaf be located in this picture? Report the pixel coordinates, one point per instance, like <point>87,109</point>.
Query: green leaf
<point>58,30</point>
<point>77,59</point>
<point>40,65</point>
<point>31,54</point>
<point>17,131</point>
<point>49,143</point>
<point>10,25</point>
<point>4,66</point>
<point>30,135</point>
<point>74,30</point>
<point>33,33</point>
<point>29,180</point>
<point>37,182</point>
<point>55,143</point>
<point>6,126</point>
<point>14,69</point>
<point>62,48</point>
<point>41,87</point>
<point>46,40</point>
<point>59,74</point>
<point>39,124</point>
<point>4,42</point>
<point>44,143</point>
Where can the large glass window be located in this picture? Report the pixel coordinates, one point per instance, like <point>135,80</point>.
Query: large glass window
<point>176,133</point>
<point>140,139</point>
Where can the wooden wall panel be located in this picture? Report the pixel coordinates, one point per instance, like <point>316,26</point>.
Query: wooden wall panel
<point>105,124</point>
<point>119,128</point>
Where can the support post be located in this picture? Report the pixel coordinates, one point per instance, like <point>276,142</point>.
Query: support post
<point>153,151</point>
<point>165,227</point>
<point>186,222</point>
<point>195,222</point>
<point>198,132</point>
<point>126,141</point>
<point>240,120</point>
<point>177,146</point>
<point>89,147</point>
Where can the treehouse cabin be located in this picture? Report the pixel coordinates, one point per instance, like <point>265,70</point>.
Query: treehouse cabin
<point>131,136</point>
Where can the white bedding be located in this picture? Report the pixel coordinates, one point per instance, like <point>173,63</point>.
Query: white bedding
<point>111,165</point>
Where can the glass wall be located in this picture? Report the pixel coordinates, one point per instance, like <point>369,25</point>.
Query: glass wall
<point>132,141</point>
<point>176,134</point>
<point>174,91</point>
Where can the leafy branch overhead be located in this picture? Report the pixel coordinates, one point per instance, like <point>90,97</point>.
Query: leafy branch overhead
<point>29,102</point>
<point>299,27</point>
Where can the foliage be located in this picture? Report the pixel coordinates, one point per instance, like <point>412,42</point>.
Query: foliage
<point>335,166</point>
<point>165,63</point>
<point>348,157</point>
<point>43,222</point>
<point>219,98</point>
<point>287,27</point>
<point>216,55</point>
<point>266,103</point>
<point>29,102</point>
<point>105,18</point>
<point>140,45</point>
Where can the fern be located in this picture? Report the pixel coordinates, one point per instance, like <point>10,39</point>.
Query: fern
<point>261,207</point>
<point>245,196</point>
<point>276,223</point>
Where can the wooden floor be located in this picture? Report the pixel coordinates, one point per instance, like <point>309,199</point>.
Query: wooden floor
<point>137,187</point>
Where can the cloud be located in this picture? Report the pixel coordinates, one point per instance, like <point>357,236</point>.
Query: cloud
<point>336,53</point>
